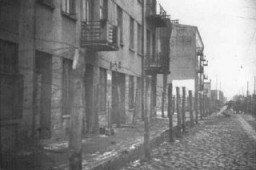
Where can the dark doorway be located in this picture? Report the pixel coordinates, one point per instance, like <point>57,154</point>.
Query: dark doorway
<point>118,98</point>
<point>89,97</point>
<point>43,82</point>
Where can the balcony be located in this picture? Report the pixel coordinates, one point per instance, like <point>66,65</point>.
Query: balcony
<point>199,51</point>
<point>156,15</point>
<point>99,36</point>
<point>200,70</point>
<point>156,65</point>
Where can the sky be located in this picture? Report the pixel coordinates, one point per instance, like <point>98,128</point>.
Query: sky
<point>228,30</point>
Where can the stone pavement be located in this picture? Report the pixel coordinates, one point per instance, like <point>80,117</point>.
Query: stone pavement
<point>218,143</point>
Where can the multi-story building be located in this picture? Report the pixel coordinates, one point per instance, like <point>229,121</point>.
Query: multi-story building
<point>185,58</point>
<point>158,31</point>
<point>38,42</point>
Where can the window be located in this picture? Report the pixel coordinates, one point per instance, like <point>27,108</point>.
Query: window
<point>84,9</point>
<point>8,57</point>
<point>66,86</point>
<point>120,23</point>
<point>11,83</point>
<point>139,40</point>
<point>68,6</point>
<point>103,89</point>
<point>131,33</point>
<point>103,9</point>
<point>89,10</point>
<point>153,45</point>
<point>131,92</point>
<point>148,43</point>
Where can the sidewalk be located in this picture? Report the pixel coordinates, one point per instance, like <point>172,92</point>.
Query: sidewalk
<point>98,150</point>
<point>219,142</point>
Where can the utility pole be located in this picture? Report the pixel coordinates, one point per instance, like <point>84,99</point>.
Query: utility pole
<point>196,95</point>
<point>144,113</point>
<point>78,109</point>
<point>146,124</point>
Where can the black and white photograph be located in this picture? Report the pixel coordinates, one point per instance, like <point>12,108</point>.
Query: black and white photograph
<point>127,84</point>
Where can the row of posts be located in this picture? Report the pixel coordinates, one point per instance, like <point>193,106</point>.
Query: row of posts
<point>181,111</point>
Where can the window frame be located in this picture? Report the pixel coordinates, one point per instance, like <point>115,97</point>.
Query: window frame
<point>68,7</point>
<point>139,38</point>
<point>131,42</point>
<point>120,23</point>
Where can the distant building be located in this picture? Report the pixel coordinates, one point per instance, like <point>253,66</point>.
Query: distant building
<point>185,58</point>
<point>207,89</point>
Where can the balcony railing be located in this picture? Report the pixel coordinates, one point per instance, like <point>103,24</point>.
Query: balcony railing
<point>158,64</point>
<point>200,70</point>
<point>99,36</point>
<point>199,51</point>
<point>156,15</point>
<point>175,21</point>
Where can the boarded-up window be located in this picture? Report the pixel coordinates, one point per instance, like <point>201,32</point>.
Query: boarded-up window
<point>66,86</point>
<point>131,92</point>
<point>103,89</point>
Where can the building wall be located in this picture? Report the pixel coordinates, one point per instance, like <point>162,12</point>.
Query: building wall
<point>18,29</point>
<point>37,27</point>
<point>128,60</point>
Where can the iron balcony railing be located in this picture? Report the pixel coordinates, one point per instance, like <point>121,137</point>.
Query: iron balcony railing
<point>199,51</point>
<point>157,63</point>
<point>99,36</point>
<point>156,14</point>
<point>200,69</point>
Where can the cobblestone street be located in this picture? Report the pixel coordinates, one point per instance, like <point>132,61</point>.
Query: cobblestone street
<point>219,142</point>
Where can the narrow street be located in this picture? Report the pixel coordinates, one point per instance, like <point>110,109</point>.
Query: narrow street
<point>218,143</point>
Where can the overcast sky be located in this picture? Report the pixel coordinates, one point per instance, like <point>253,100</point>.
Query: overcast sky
<point>228,30</point>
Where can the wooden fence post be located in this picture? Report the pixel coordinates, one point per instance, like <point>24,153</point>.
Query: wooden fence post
<point>196,106</point>
<point>135,107</point>
<point>178,111</point>
<point>170,112</point>
<point>183,110</point>
<point>201,106</point>
<point>190,109</point>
